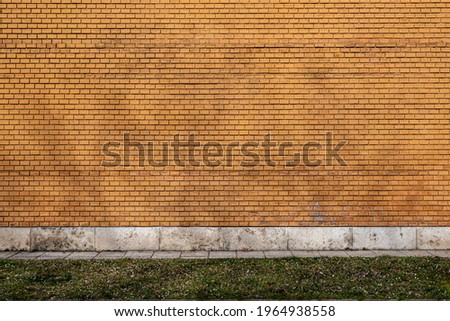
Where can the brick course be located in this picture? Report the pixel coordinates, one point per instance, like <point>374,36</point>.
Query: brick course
<point>76,74</point>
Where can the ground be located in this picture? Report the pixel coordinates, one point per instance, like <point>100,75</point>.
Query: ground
<point>318,278</point>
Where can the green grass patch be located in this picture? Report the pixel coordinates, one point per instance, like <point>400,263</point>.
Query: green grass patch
<point>379,278</point>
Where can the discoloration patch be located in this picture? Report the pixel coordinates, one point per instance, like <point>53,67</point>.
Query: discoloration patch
<point>127,238</point>
<point>255,238</point>
<point>437,238</point>
<point>62,239</point>
<point>191,239</point>
<point>14,239</point>
<point>319,238</point>
<point>387,238</point>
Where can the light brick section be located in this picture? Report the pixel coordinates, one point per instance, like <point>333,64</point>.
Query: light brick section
<point>76,75</point>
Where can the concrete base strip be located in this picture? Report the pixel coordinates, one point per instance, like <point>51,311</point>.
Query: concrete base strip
<point>223,238</point>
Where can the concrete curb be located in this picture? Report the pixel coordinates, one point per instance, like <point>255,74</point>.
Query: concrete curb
<point>222,238</point>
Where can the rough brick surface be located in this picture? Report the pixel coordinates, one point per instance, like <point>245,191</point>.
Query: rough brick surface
<point>74,75</point>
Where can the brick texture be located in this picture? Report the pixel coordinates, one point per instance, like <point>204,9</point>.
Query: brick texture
<point>76,74</point>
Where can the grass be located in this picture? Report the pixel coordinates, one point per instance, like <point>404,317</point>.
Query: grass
<point>379,278</point>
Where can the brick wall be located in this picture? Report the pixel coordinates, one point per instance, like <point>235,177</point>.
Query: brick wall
<point>77,74</point>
